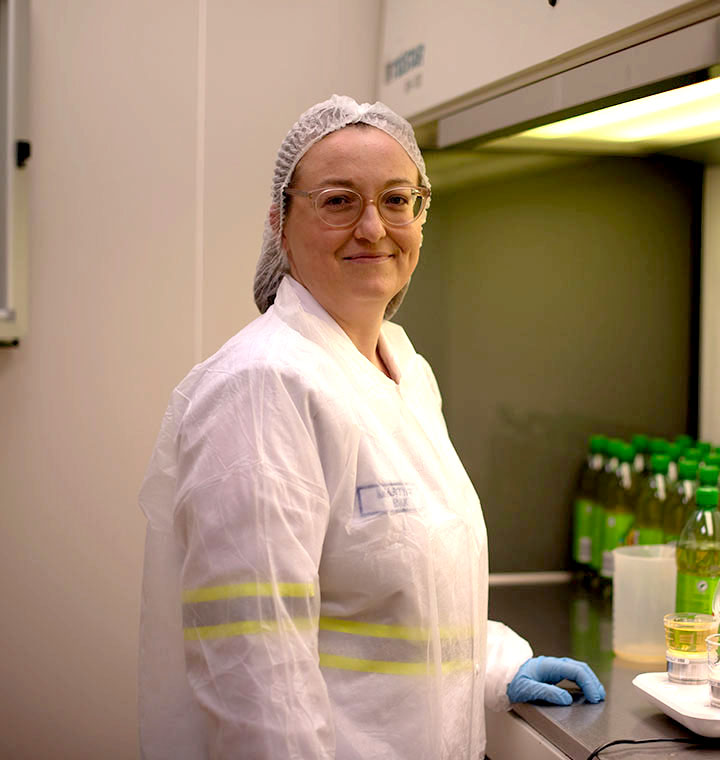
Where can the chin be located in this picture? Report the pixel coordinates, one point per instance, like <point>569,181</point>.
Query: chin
<point>380,292</point>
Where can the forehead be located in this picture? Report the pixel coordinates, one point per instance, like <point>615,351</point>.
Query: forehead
<point>357,154</point>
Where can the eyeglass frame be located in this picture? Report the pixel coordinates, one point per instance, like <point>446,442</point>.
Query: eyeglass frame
<point>424,193</point>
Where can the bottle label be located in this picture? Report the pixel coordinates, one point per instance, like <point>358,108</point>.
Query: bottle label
<point>678,660</point>
<point>661,493</point>
<point>687,491</point>
<point>617,526</point>
<point>625,475</point>
<point>583,529</point>
<point>608,564</point>
<point>694,593</point>
<point>650,535</point>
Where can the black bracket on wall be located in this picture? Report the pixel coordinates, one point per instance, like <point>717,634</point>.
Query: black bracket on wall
<point>22,153</point>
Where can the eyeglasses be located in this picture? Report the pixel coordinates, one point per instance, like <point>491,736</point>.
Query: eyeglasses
<point>342,207</point>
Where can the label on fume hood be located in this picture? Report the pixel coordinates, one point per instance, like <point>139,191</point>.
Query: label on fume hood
<point>406,63</point>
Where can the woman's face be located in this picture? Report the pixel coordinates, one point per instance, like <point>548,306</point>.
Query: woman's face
<point>356,270</point>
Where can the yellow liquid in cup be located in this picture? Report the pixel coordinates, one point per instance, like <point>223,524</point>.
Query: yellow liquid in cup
<point>687,636</point>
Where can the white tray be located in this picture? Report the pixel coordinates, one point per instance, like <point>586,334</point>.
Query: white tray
<point>687,704</point>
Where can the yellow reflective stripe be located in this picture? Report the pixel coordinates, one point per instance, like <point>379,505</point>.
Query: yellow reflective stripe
<point>389,667</point>
<point>233,590</point>
<point>379,630</point>
<point>245,628</point>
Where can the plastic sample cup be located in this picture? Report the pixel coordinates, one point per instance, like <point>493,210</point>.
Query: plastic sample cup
<point>643,591</point>
<point>687,657</point>
<point>713,660</point>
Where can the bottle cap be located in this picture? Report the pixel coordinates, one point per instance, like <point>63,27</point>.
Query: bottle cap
<point>641,443</point>
<point>598,444</point>
<point>675,451</point>
<point>613,444</point>
<point>687,469</point>
<point>659,463</point>
<point>659,446</point>
<point>704,447</point>
<point>708,476</point>
<point>706,497</point>
<point>684,440</point>
<point>626,452</point>
<point>713,460</point>
<point>693,453</point>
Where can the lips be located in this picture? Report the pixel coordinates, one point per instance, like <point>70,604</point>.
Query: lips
<point>368,256</point>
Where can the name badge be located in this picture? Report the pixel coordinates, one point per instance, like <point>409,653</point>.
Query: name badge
<point>386,498</point>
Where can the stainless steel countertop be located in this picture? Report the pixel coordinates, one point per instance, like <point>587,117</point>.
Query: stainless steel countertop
<point>565,620</point>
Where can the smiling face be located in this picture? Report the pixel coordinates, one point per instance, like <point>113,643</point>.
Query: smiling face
<point>353,273</point>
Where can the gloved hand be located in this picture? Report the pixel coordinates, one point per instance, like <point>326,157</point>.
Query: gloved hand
<point>534,678</point>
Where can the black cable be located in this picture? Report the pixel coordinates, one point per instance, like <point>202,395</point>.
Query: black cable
<point>596,752</point>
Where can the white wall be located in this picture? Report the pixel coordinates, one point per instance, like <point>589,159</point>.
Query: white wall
<point>154,126</point>
<point>264,67</point>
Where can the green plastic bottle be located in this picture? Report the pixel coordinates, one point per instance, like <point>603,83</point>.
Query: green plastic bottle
<point>605,483</point>
<point>598,511</point>
<point>680,501</point>
<point>684,440</point>
<point>707,475</point>
<point>641,463</point>
<point>675,451</point>
<point>698,555</point>
<point>650,511</point>
<point>585,502</point>
<point>619,507</point>
<point>713,460</point>
<point>693,453</point>
<point>658,446</point>
<point>705,448</point>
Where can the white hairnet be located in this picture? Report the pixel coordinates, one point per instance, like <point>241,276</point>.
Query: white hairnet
<point>317,122</point>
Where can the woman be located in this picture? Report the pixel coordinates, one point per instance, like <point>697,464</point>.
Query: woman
<point>316,564</point>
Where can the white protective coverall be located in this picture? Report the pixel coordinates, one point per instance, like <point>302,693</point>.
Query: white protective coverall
<point>316,561</point>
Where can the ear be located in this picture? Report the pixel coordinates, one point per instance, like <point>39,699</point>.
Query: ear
<point>274,221</point>
<point>285,246</point>
<point>423,219</point>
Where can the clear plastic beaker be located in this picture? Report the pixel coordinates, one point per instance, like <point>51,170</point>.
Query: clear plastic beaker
<point>643,591</point>
<point>686,655</point>
<point>713,660</point>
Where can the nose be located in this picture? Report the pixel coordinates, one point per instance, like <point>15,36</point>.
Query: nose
<point>370,226</point>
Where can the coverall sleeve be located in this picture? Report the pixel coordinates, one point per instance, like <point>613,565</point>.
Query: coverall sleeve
<point>251,515</point>
<point>506,652</point>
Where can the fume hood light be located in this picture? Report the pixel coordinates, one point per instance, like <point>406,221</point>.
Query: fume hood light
<point>676,117</point>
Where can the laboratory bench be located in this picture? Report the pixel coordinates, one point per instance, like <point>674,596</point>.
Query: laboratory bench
<point>567,620</point>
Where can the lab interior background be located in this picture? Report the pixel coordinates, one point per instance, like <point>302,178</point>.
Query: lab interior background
<point>154,128</point>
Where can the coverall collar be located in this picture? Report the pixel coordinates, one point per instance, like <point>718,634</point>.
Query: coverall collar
<point>311,306</point>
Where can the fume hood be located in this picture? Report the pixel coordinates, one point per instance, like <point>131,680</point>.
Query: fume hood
<point>572,277</point>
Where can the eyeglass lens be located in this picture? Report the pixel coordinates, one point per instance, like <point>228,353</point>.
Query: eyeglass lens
<point>396,206</point>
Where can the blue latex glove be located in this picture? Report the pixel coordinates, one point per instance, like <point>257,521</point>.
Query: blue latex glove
<point>535,678</point>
